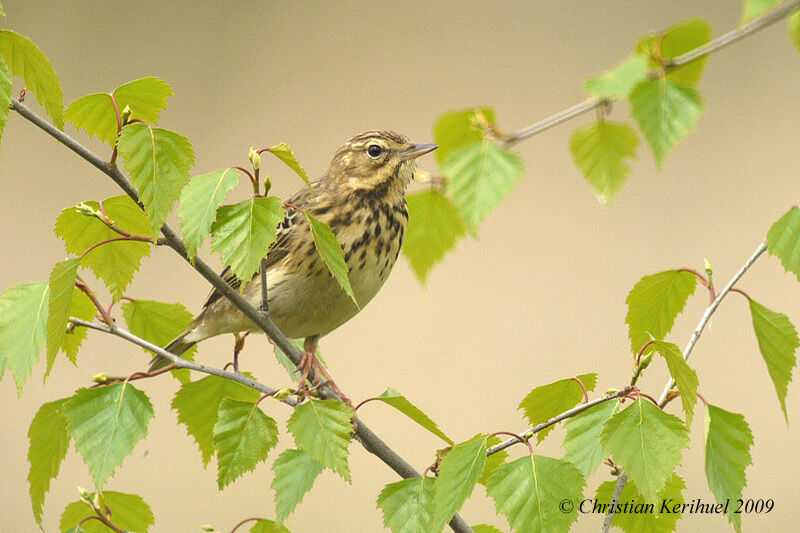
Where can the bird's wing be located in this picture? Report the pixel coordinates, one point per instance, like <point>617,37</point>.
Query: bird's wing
<point>279,249</point>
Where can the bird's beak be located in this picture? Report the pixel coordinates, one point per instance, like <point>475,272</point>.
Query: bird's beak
<point>416,150</point>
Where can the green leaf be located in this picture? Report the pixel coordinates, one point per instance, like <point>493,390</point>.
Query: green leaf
<point>399,402</point>
<point>653,304</point>
<point>263,525</point>
<point>456,129</point>
<point>295,473</point>
<point>5,95</point>
<point>777,341</point>
<point>243,233</point>
<point>197,404</point>
<point>547,401</point>
<point>284,360</point>
<point>23,319</point>
<point>49,442</point>
<point>728,442</point>
<point>243,437</point>
<point>129,512</point>
<point>684,375</point>
<point>582,444</point>
<point>528,492</point>
<point>106,423</point>
<point>783,240</point>
<point>83,308</point>
<point>158,162</point>
<point>115,262</point>
<point>647,443</point>
<point>433,227</point>
<point>754,9</point>
<point>285,154</point>
<point>331,252</point>
<point>458,473</point>
<point>639,518</point>
<point>485,528</point>
<point>492,461</point>
<point>29,63</point>
<point>618,81</point>
<point>480,175</point>
<point>676,41</point>
<point>62,287</point>
<point>156,322</point>
<point>198,205</point>
<point>96,115</point>
<point>600,150</point>
<point>406,505</point>
<point>794,28</point>
<point>322,428</point>
<point>665,112</point>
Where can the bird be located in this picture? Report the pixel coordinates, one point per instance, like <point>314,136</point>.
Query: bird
<point>361,197</point>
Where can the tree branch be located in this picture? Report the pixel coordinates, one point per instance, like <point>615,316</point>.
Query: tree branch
<point>621,480</point>
<point>369,440</point>
<point>701,51</point>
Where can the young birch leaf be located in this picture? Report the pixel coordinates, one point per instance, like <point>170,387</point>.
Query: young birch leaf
<point>457,129</point>
<point>62,287</point>
<point>243,233</point>
<point>794,28</point>
<point>728,442</point>
<point>5,95</point>
<point>528,492</point>
<point>458,473</point>
<point>433,227</point>
<point>49,442</point>
<point>653,304</point>
<point>106,423</point>
<point>647,443</point>
<point>753,9</point>
<point>145,96</point>
<point>129,512</point>
<point>263,525</point>
<point>582,444</point>
<point>285,154</point>
<point>23,320</point>
<point>480,175</point>
<point>322,428</point>
<point>197,404</point>
<point>485,528</point>
<point>777,342</point>
<point>116,262</point>
<point>399,402</point>
<point>83,308</point>
<point>243,437</point>
<point>156,322</point>
<point>284,360</point>
<point>676,41</point>
<point>198,205</point>
<point>29,63</point>
<point>684,375</point>
<point>547,401</point>
<point>665,112</point>
<point>295,473</point>
<point>783,240</point>
<point>406,505</point>
<point>158,162</point>
<point>492,461</point>
<point>642,521</point>
<point>618,81</point>
<point>600,150</point>
<point>331,252</point>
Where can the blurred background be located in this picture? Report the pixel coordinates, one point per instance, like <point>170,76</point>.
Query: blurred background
<point>539,297</point>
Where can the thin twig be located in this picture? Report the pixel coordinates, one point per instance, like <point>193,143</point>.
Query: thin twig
<point>621,480</point>
<point>712,46</point>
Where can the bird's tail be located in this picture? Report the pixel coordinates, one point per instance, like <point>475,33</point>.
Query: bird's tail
<point>178,346</point>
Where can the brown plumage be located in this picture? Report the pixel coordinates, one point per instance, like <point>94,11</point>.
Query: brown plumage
<point>362,198</point>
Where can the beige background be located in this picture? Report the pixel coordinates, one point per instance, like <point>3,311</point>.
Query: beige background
<point>539,297</point>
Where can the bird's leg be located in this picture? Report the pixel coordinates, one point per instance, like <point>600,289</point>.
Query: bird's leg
<point>309,361</point>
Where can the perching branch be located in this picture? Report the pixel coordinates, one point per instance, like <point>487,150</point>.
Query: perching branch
<point>701,51</point>
<point>369,440</point>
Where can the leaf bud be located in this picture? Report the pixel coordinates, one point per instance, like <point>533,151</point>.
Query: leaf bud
<point>126,114</point>
<point>255,158</point>
<point>206,527</point>
<point>85,496</point>
<point>282,394</point>
<point>267,185</point>
<point>102,377</point>
<point>707,266</point>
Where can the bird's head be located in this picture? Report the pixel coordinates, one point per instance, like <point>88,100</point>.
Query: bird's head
<point>376,161</point>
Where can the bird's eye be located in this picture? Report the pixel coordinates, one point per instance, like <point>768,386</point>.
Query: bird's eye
<point>374,151</point>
